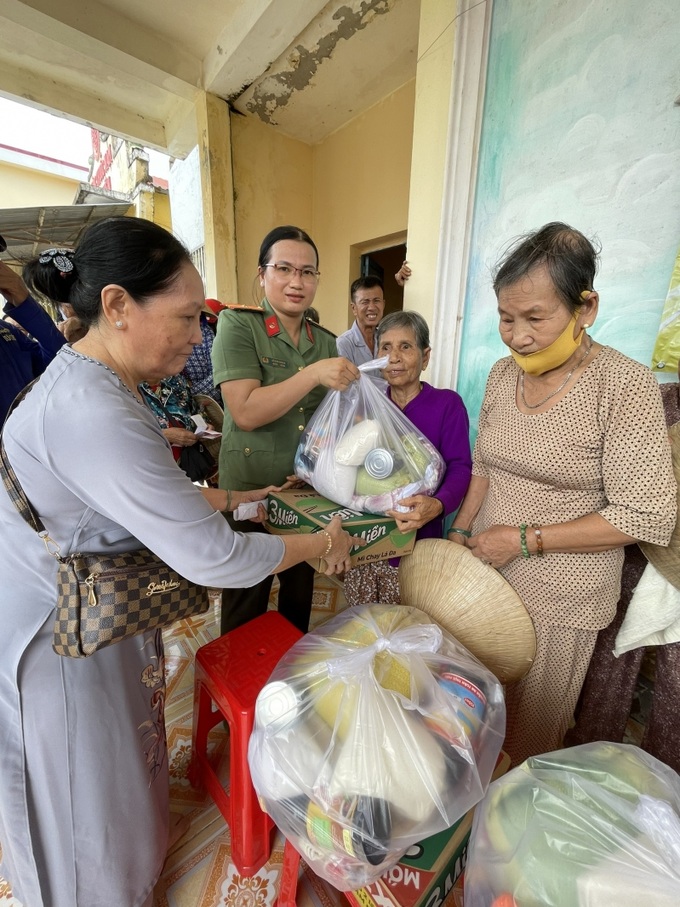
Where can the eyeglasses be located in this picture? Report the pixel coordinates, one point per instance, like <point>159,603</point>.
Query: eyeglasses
<point>284,271</point>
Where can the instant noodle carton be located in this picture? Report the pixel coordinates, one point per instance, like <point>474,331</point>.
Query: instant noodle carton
<point>304,510</point>
<point>430,872</point>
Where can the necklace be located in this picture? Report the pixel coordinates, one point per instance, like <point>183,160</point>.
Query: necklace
<point>72,352</point>
<point>555,392</point>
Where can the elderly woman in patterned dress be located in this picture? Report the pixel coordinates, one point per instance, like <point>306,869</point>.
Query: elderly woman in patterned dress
<point>572,463</point>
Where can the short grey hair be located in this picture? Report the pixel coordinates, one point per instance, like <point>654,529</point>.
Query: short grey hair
<point>569,257</point>
<point>405,320</point>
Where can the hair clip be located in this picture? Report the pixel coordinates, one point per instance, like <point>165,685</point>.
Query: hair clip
<point>59,258</point>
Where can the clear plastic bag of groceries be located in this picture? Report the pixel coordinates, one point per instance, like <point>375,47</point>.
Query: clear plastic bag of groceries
<point>374,731</point>
<point>361,451</point>
<point>591,826</point>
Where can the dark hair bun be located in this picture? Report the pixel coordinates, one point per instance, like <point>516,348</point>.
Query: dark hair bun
<point>52,274</point>
<point>137,255</point>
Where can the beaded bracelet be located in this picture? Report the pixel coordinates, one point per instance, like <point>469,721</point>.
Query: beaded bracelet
<point>465,532</point>
<point>329,543</point>
<point>539,539</point>
<point>523,540</point>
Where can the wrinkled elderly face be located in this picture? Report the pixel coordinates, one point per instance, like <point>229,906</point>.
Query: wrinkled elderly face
<point>160,334</point>
<point>406,359</point>
<point>532,314</point>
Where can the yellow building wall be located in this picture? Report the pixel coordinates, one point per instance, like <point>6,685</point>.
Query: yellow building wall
<point>361,189</point>
<point>162,215</point>
<point>23,188</point>
<point>273,186</point>
<point>350,192</point>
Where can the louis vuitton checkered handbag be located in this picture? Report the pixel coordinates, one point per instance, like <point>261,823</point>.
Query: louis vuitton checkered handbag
<point>103,598</point>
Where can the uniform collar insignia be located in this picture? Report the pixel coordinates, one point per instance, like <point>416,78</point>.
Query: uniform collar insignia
<point>272,325</point>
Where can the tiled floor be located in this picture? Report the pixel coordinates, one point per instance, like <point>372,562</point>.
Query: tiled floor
<point>198,871</point>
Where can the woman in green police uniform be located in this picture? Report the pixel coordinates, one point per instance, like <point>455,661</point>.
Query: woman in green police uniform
<point>273,367</point>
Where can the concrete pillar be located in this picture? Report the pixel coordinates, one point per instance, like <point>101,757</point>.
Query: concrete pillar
<point>450,81</point>
<point>144,201</point>
<point>428,161</point>
<point>217,193</point>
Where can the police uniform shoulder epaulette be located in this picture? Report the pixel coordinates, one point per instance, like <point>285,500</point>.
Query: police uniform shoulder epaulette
<point>321,328</point>
<point>234,307</point>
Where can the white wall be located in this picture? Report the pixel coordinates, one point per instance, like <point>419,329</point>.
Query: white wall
<point>184,185</point>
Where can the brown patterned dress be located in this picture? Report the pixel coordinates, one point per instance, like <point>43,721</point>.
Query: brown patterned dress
<point>602,448</point>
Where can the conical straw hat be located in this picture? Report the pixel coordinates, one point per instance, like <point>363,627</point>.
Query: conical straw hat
<point>472,602</point>
<point>215,416</point>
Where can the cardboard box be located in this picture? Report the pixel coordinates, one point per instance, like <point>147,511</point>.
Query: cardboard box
<point>432,871</point>
<point>306,511</point>
<point>424,879</point>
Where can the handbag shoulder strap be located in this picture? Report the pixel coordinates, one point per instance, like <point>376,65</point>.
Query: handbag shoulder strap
<point>11,482</point>
<point>16,492</point>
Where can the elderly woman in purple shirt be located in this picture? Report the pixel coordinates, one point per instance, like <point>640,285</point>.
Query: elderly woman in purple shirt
<point>441,416</point>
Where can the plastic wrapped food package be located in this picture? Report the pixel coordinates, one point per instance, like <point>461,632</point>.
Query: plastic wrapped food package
<point>374,731</point>
<point>591,826</point>
<point>361,451</point>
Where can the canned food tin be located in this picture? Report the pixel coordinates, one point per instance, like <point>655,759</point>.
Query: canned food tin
<point>277,705</point>
<point>379,463</point>
<point>469,698</point>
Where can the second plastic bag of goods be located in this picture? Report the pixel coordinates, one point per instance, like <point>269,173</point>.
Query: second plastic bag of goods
<point>374,731</point>
<point>361,451</point>
<point>596,825</point>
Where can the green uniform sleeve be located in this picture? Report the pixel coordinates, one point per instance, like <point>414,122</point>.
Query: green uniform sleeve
<point>244,350</point>
<point>234,353</point>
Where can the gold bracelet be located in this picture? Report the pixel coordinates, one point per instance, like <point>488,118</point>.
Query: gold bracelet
<point>329,543</point>
<point>228,507</point>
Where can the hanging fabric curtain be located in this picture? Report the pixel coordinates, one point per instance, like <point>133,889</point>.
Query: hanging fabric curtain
<point>667,347</point>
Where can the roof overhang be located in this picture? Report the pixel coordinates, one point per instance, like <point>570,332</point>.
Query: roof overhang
<point>138,70</point>
<point>27,231</point>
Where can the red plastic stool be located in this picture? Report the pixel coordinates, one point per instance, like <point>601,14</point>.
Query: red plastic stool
<point>230,672</point>
<point>289,877</point>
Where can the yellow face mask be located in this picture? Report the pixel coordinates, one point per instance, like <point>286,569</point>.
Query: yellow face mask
<point>554,355</point>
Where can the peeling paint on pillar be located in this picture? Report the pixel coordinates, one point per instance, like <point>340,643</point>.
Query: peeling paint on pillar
<point>276,89</point>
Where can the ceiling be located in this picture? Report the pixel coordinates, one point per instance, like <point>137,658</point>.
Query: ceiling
<point>135,69</point>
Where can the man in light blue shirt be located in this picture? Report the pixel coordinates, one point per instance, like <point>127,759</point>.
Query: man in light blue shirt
<point>368,305</point>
